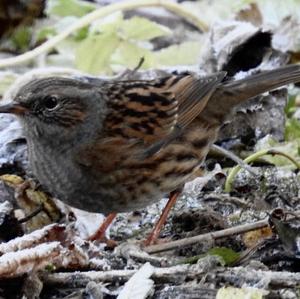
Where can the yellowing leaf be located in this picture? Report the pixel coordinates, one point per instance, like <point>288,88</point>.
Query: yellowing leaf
<point>185,54</point>
<point>12,179</point>
<point>244,293</point>
<point>64,8</point>
<point>93,54</point>
<point>129,55</point>
<point>138,28</point>
<point>255,236</point>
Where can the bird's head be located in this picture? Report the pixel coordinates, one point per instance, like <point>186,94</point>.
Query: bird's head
<point>58,109</point>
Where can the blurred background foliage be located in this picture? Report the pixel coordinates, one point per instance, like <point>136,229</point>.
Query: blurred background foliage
<point>117,42</point>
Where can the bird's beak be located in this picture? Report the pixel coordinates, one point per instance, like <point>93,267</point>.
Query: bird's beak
<point>13,108</point>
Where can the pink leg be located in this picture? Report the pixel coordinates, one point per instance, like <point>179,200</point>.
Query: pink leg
<point>100,233</point>
<point>162,219</point>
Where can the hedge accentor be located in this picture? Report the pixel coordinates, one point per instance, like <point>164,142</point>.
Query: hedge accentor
<point>117,146</point>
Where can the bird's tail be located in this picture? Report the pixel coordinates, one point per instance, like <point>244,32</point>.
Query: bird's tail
<point>232,93</point>
<point>262,82</point>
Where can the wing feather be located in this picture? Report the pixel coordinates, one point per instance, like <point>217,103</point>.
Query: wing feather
<point>155,112</point>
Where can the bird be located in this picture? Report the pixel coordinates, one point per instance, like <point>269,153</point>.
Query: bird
<point>113,146</point>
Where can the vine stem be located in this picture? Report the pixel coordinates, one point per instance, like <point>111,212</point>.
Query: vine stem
<point>100,13</point>
<point>233,172</point>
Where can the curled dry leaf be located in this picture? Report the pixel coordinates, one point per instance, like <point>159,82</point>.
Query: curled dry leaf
<point>226,40</point>
<point>49,233</point>
<point>29,199</point>
<point>72,257</point>
<point>250,14</point>
<point>256,236</point>
<point>45,246</point>
<point>13,264</point>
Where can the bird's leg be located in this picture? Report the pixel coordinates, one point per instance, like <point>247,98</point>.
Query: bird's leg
<point>100,233</point>
<point>152,238</point>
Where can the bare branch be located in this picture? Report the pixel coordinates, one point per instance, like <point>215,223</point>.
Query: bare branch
<point>206,237</point>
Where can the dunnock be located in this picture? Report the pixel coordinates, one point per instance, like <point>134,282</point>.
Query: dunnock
<point>117,146</point>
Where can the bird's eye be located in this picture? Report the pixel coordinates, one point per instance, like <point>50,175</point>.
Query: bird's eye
<point>50,102</point>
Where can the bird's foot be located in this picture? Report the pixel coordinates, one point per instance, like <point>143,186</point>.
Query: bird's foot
<point>100,234</point>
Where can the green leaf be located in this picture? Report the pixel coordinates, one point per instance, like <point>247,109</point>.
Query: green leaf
<point>291,105</point>
<point>138,28</point>
<point>129,54</point>
<point>82,33</point>
<point>21,38</point>
<point>228,255</point>
<point>45,33</point>
<point>290,147</point>
<point>187,53</point>
<point>50,268</point>
<point>292,129</point>
<point>64,8</point>
<point>93,54</point>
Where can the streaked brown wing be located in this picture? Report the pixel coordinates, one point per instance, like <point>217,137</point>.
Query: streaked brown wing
<point>140,109</point>
<point>155,112</point>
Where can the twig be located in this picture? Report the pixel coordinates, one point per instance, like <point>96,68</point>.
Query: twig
<point>80,279</point>
<point>100,13</point>
<point>225,198</point>
<point>139,65</point>
<point>252,158</point>
<point>209,236</point>
<point>129,73</point>
<point>131,250</point>
<point>233,157</point>
<point>248,253</point>
<point>31,215</point>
